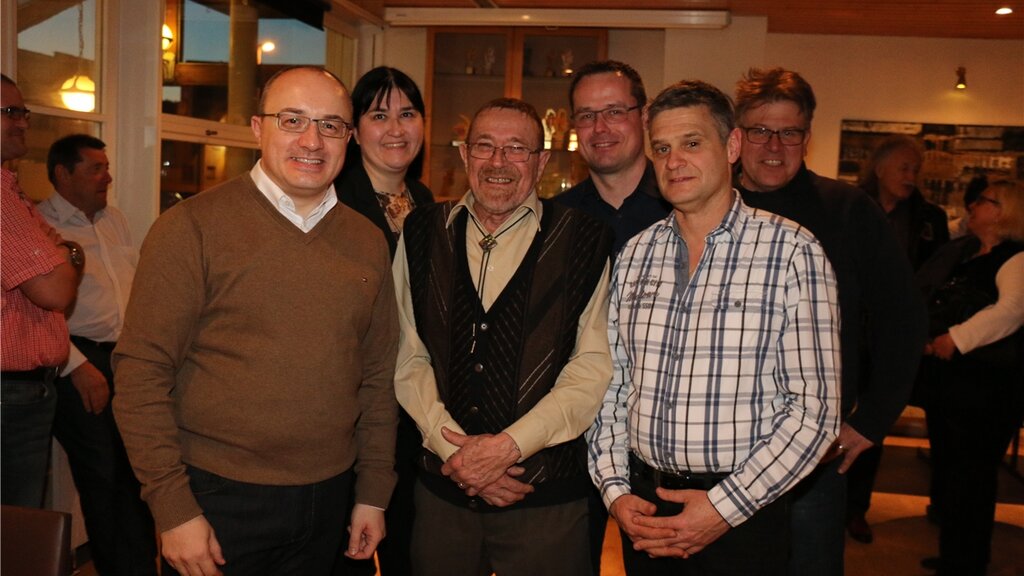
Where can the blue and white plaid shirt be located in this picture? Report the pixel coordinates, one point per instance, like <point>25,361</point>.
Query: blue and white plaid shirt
<point>735,370</point>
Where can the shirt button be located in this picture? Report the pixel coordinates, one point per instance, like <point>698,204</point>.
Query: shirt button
<point>738,304</point>
<point>478,368</point>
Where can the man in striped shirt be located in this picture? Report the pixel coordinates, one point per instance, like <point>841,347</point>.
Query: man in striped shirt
<point>725,343</point>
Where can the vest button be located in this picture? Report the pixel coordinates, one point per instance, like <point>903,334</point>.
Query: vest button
<point>478,368</point>
<point>484,326</point>
<point>474,410</point>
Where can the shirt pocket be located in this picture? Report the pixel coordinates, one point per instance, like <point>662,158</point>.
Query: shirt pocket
<point>746,319</point>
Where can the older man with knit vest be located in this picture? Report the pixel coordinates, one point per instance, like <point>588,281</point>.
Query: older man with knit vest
<point>503,360</point>
<point>254,372</point>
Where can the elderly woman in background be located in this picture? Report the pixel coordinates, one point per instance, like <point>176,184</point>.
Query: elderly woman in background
<point>891,179</point>
<point>379,181</point>
<point>975,292</point>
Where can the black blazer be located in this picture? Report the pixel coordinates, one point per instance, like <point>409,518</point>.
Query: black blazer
<point>354,189</point>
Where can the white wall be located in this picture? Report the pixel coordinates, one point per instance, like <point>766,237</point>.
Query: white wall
<point>904,79</point>
<point>854,77</point>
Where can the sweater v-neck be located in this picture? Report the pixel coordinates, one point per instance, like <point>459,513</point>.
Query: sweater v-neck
<point>280,220</point>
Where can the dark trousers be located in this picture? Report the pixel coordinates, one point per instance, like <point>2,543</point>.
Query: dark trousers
<point>452,540</point>
<point>818,522</point>
<point>976,411</point>
<point>757,547</point>
<point>393,551</point>
<point>279,530</point>
<point>120,527</point>
<point>26,419</point>
<point>861,481</point>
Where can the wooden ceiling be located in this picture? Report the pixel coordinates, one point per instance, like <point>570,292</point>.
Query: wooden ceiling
<point>923,18</point>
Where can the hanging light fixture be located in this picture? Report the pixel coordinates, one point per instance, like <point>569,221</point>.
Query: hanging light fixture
<point>79,92</point>
<point>961,78</point>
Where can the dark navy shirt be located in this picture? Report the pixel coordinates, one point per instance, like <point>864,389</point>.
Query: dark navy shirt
<point>639,210</point>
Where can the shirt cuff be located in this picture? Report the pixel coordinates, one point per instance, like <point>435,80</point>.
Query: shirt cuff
<point>75,359</point>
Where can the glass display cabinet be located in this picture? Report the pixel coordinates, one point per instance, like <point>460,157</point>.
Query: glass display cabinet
<point>470,66</point>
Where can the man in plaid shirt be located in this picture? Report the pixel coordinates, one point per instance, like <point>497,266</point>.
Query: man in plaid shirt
<point>724,331</point>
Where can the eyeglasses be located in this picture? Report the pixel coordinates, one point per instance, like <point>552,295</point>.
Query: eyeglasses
<point>16,112</point>
<point>611,115</point>
<point>327,127</point>
<point>991,201</point>
<point>787,136</point>
<point>486,150</point>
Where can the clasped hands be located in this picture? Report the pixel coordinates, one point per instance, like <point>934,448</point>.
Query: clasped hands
<point>484,466</point>
<point>678,536</point>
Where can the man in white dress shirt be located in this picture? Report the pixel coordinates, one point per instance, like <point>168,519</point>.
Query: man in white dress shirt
<point>118,522</point>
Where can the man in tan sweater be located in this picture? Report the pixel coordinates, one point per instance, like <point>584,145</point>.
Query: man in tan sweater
<point>254,373</point>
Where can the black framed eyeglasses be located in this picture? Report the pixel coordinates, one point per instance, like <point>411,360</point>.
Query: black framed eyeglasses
<point>611,115</point>
<point>787,136</point>
<point>16,112</point>
<point>512,152</point>
<point>327,127</point>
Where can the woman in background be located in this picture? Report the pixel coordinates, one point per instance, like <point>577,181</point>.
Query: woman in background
<point>975,368</point>
<point>379,181</point>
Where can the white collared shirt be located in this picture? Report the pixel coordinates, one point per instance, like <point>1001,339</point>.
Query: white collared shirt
<point>110,261</point>
<point>286,206</point>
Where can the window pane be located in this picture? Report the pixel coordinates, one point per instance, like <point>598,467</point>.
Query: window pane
<point>255,39</point>
<point>43,132</point>
<point>187,169</point>
<point>58,55</point>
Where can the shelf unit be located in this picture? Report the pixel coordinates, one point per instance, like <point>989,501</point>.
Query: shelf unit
<point>467,67</point>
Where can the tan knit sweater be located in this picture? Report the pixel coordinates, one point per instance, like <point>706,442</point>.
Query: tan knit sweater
<point>257,352</point>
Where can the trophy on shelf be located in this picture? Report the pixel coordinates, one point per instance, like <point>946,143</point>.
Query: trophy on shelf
<point>488,60</point>
<point>552,59</point>
<point>556,126</point>
<point>470,61</point>
<point>567,60</point>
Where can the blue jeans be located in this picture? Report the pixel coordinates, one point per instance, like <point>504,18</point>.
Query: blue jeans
<point>26,418</point>
<point>817,523</point>
<point>279,530</point>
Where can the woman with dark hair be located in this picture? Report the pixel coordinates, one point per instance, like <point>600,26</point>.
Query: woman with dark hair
<point>974,370</point>
<point>384,156</point>
<point>379,181</point>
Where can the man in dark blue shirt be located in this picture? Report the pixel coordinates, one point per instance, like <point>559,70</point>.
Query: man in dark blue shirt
<point>607,100</point>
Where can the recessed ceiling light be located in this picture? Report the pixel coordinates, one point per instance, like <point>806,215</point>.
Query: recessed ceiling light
<point>1004,11</point>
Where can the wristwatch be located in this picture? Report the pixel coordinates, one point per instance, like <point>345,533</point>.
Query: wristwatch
<point>75,255</point>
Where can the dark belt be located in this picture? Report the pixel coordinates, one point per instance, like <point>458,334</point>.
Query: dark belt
<point>674,480</point>
<point>80,341</point>
<point>44,374</point>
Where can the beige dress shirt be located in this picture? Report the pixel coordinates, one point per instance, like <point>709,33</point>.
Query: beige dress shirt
<point>571,405</point>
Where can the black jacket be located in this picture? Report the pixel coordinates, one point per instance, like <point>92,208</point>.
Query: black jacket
<point>884,323</point>
<point>354,189</point>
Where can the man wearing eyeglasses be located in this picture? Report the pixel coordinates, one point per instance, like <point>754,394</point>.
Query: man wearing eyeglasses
<point>883,321</point>
<point>503,360</point>
<point>607,100</point>
<point>40,273</point>
<point>254,373</point>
